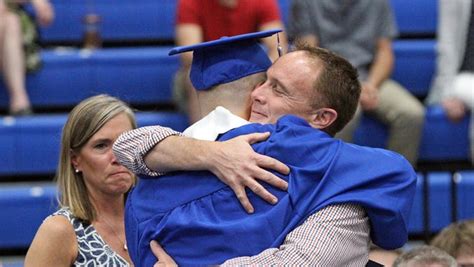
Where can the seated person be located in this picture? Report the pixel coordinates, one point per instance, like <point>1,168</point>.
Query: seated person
<point>322,173</point>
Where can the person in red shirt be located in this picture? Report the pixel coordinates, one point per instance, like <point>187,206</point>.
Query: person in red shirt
<point>205,20</point>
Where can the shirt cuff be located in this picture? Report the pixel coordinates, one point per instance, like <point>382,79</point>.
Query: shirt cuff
<point>131,147</point>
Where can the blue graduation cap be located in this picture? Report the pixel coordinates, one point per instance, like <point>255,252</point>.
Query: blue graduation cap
<point>226,59</point>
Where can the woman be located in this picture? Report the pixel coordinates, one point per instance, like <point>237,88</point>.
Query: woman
<point>89,227</point>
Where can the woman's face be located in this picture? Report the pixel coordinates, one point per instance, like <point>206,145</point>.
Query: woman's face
<point>101,171</point>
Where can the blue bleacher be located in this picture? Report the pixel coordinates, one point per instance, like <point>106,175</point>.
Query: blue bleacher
<point>440,199</point>
<point>465,190</point>
<point>416,18</point>
<point>24,207</point>
<point>120,20</point>
<point>136,75</point>
<point>30,145</point>
<point>415,64</point>
<point>442,140</point>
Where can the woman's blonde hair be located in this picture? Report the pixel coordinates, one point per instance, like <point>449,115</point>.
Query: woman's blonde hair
<point>86,119</point>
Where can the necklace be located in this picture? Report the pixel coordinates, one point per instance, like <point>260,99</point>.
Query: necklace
<point>116,234</point>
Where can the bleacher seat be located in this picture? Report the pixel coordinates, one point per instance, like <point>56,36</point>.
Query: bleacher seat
<point>120,20</point>
<point>30,145</point>
<point>415,18</point>
<point>415,65</point>
<point>24,207</point>
<point>442,140</point>
<point>439,188</point>
<point>440,200</point>
<point>136,75</point>
<point>465,189</point>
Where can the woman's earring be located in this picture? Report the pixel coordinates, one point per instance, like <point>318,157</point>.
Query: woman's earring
<point>76,170</point>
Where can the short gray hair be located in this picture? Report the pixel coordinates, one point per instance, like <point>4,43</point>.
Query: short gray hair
<point>423,255</point>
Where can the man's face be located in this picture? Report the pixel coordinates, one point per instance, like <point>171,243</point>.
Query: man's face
<point>287,90</point>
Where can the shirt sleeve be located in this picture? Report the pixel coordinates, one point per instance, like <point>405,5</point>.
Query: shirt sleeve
<point>187,12</point>
<point>337,235</point>
<point>269,11</point>
<point>131,147</point>
<point>387,27</point>
<point>301,22</point>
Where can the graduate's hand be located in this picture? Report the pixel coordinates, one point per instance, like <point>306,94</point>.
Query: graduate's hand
<point>239,166</point>
<point>163,258</point>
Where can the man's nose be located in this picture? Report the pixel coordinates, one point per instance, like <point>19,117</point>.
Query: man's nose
<point>258,94</point>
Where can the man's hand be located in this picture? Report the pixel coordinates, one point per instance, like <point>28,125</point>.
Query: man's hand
<point>369,97</point>
<point>455,108</point>
<point>163,258</point>
<point>238,166</point>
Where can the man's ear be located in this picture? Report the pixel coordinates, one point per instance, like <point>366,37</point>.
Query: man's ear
<point>323,118</point>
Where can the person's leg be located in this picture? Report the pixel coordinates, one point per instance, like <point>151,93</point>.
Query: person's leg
<point>404,115</point>
<point>347,134</point>
<point>13,63</point>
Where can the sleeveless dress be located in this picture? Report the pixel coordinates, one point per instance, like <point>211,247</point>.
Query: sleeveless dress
<point>93,251</point>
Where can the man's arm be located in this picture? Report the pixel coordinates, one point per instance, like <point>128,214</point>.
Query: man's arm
<point>380,70</point>
<point>151,150</point>
<point>382,66</point>
<point>188,34</point>
<point>334,236</point>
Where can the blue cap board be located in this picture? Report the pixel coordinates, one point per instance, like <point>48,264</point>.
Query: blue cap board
<point>226,59</point>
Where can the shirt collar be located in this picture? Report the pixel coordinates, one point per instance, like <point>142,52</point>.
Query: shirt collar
<point>217,122</point>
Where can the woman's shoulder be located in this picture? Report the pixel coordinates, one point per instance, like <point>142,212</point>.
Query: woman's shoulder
<point>55,242</point>
<point>56,224</point>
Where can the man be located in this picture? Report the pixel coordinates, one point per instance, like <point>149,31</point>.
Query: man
<point>308,146</point>
<point>453,83</point>
<point>229,17</point>
<point>362,32</point>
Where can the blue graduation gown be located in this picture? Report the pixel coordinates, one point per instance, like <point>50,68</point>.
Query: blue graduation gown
<point>198,220</point>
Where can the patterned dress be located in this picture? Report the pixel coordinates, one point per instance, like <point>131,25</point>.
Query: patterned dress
<point>93,251</point>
